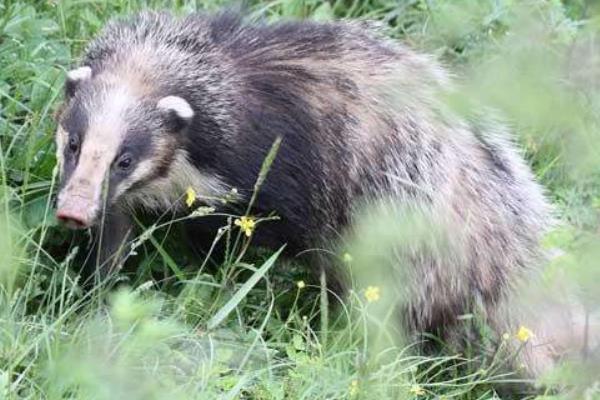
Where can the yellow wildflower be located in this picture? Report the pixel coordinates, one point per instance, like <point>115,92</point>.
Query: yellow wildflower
<point>417,390</point>
<point>190,196</point>
<point>524,334</point>
<point>301,284</point>
<point>373,293</point>
<point>246,224</point>
<point>353,388</point>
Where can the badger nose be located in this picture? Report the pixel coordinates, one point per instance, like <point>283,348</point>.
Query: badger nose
<point>72,219</point>
<point>74,212</point>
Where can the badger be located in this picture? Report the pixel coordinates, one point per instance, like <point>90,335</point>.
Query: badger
<point>162,103</point>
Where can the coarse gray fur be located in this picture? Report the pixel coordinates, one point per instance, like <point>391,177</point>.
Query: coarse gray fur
<point>361,121</point>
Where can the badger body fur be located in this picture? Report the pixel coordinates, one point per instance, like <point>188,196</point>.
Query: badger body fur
<point>163,103</point>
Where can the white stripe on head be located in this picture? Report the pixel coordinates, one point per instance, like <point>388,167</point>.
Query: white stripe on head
<point>111,115</point>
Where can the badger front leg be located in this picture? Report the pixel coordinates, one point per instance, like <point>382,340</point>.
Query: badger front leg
<point>110,244</point>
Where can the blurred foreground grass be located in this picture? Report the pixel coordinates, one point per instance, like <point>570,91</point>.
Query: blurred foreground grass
<point>201,334</point>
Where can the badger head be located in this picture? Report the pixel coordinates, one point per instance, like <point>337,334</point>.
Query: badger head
<point>114,136</point>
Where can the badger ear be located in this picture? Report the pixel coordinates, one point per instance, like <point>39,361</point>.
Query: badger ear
<point>75,77</point>
<point>179,113</point>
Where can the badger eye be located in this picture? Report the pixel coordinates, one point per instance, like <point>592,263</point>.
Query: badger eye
<point>124,162</point>
<point>73,144</point>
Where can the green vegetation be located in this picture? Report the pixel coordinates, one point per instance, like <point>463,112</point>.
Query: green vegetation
<point>258,327</point>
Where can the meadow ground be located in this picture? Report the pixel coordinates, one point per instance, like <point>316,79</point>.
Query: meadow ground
<point>258,327</point>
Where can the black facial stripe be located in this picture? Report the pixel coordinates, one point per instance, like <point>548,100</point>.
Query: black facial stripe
<point>138,144</point>
<point>75,121</point>
<point>160,168</point>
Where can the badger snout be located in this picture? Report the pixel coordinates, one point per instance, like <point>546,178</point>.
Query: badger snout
<point>76,212</point>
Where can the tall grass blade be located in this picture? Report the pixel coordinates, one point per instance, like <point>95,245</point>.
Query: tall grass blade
<point>243,291</point>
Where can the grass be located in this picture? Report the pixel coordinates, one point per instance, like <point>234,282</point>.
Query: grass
<point>181,328</point>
